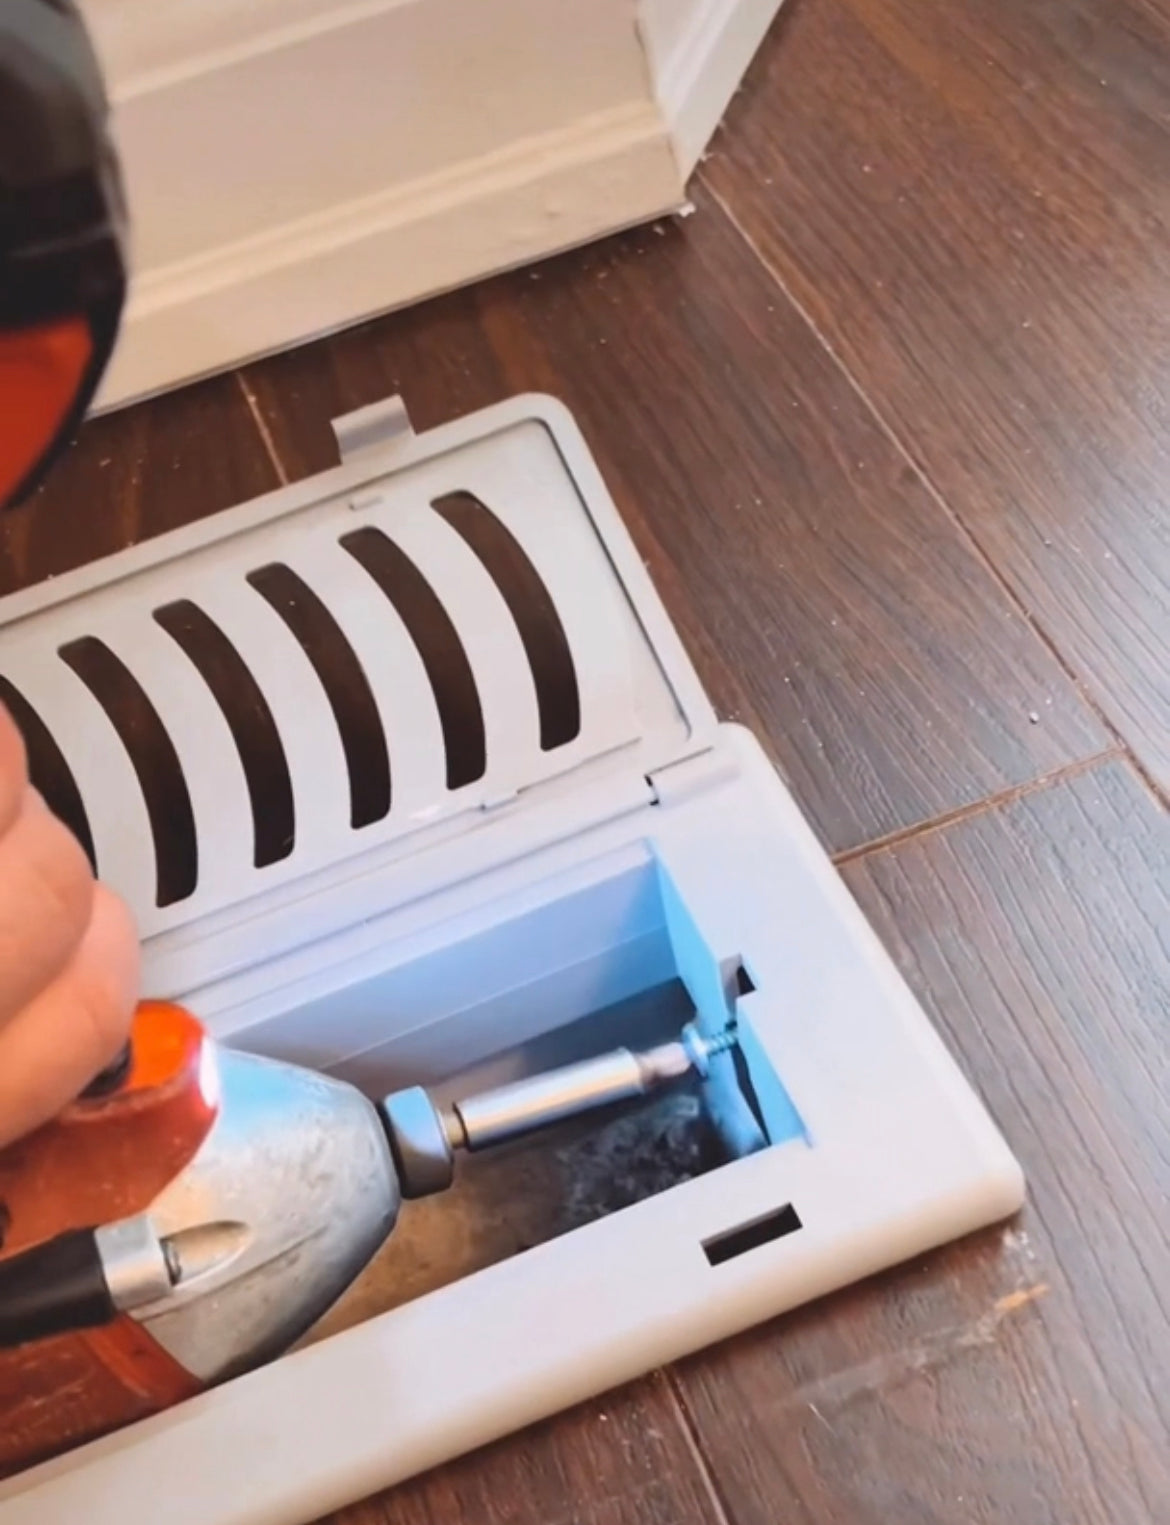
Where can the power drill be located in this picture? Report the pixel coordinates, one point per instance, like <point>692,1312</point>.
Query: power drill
<point>198,1209</point>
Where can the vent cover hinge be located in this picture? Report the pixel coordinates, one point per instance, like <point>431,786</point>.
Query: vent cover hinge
<point>679,780</point>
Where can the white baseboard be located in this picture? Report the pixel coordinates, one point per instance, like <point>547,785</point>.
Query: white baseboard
<point>291,180</point>
<point>352,262</point>
<point>698,54</point>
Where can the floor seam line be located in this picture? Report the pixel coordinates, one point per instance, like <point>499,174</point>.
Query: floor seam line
<point>262,428</point>
<point>985,806</point>
<point>694,1445</point>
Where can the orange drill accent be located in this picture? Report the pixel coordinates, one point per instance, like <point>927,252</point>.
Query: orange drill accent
<point>100,1161</point>
<point>41,373</point>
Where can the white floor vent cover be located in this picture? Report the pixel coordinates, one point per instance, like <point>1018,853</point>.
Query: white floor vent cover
<point>407,776</point>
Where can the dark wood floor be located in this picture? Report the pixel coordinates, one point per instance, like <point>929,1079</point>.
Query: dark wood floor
<point>889,417</point>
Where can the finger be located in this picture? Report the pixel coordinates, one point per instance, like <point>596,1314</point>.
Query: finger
<point>52,1050</point>
<point>46,898</point>
<point>13,771</point>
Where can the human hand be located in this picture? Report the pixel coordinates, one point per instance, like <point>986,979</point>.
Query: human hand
<point>69,963</point>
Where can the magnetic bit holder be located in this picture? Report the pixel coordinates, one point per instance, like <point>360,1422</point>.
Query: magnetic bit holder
<point>424,1138</point>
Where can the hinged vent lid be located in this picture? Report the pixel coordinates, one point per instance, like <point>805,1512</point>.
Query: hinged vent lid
<point>439,625</point>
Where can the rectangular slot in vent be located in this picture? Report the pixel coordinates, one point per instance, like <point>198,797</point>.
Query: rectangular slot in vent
<point>750,1236</point>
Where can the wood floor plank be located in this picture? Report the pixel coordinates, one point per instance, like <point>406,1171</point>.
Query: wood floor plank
<point>1020,1377</point>
<point>134,474</point>
<point>972,202</point>
<point>828,599</point>
<point>625,1462</point>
